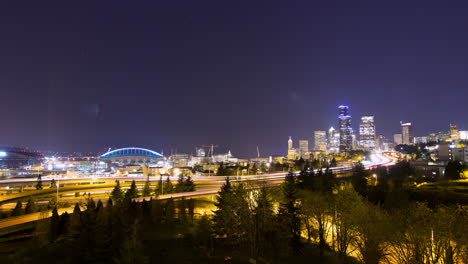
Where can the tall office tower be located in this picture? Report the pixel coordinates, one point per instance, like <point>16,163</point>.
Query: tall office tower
<point>406,133</point>
<point>367,132</point>
<point>303,147</point>
<point>320,140</point>
<point>355,143</point>
<point>464,135</point>
<point>333,140</point>
<point>346,139</point>
<point>454,133</point>
<point>397,139</point>
<point>380,142</point>
<point>292,152</point>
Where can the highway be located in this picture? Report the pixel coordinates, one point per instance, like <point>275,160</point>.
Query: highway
<point>206,185</point>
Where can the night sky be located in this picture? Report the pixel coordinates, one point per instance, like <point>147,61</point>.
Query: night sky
<point>85,76</point>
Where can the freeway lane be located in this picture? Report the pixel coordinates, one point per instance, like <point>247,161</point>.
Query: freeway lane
<point>207,186</point>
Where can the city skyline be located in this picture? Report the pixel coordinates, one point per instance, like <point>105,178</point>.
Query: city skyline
<point>173,76</point>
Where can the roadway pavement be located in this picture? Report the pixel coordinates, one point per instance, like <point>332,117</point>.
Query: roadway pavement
<point>206,185</point>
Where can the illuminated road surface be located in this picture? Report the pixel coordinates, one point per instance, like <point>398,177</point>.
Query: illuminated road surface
<point>206,185</point>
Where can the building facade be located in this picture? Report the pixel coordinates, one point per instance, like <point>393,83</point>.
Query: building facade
<point>303,147</point>
<point>333,140</point>
<point>320,140</point>
<point>367,132</point>
<point>344,119</point>
<point>406,133</point>
<point>397,139</point>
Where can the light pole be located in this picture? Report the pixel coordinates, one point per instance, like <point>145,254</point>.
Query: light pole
<point>58,184</point>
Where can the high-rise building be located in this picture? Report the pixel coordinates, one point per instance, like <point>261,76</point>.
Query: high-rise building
<point>303,147</point>
<point>367,132</point>
<point>397,139</point>
<point>380,141</point>
<point>333,140</point>
<point>320,140</point>
<point>454,133</point>
<point>346,139</point>
<point>292,152</point>
<point>464,135</point>
<point>406,133</point>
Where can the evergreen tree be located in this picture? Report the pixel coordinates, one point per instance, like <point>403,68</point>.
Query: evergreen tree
<point>182,210</point>
<point>289,213</point>
<point>453,170</point>
<point>359,179</point>
<point>18,210</point>
<point>99,206</point>
<point>180,186</point>
<point>169,210</point>
<point>30,206</point>
<point>53,184</point>
<point>225,218</point>
<point>39,183</point>
<point>189,185</point>
<point>117,194</point>
<point>263,224</point>
<point>91,205</point>
<point>132,192</point>
<point>168,187</point>
<point>333,163</point>
<point>160,186</point>
<point>191,209</point>
<point>54,225</point>
<point>147,189</point>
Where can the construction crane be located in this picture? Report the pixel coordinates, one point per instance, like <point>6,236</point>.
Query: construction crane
<point>210,149</point>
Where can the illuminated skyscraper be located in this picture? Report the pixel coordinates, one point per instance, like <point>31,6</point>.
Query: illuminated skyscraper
<point>397,139</point>
<point>367,132</point>
<point>303,147</point>
<point>320,140</point>
<point>292,152</point>
<point>346,139</point>
<point>454,132</point>
<point>333,140</point>
<point>406,133</point>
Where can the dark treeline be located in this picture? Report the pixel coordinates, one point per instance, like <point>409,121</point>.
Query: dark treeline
<point>313,217</point>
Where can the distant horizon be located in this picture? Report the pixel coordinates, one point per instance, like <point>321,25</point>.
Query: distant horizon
<point>173,75</point>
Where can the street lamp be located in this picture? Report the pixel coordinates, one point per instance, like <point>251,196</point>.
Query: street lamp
<point>58,184</point>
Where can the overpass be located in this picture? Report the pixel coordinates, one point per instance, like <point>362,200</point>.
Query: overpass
<point>209,186</point>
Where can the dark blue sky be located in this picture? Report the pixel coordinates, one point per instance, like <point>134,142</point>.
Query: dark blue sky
<point>85,76</point>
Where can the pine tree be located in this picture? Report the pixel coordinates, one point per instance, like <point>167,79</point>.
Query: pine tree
<point>224,218</point>
<point>39,183</point>
<point>168,187</point>
<point>189,185</point>
<point>159,188</point>
<point>180,186</point>
<point>132,192</point>
<point>169,210</point>
<point>289,213</point>
<point>147,189</point>
<point>30,206</point>
<point>233,215</point>
<point>263,224</point>
<point>54,225</point>
<point>191,209</point>
<point>53,184</point>
<point>359,179</point>
<point>18,210</point>
<point>117,194</point>
<point>182,210</point>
